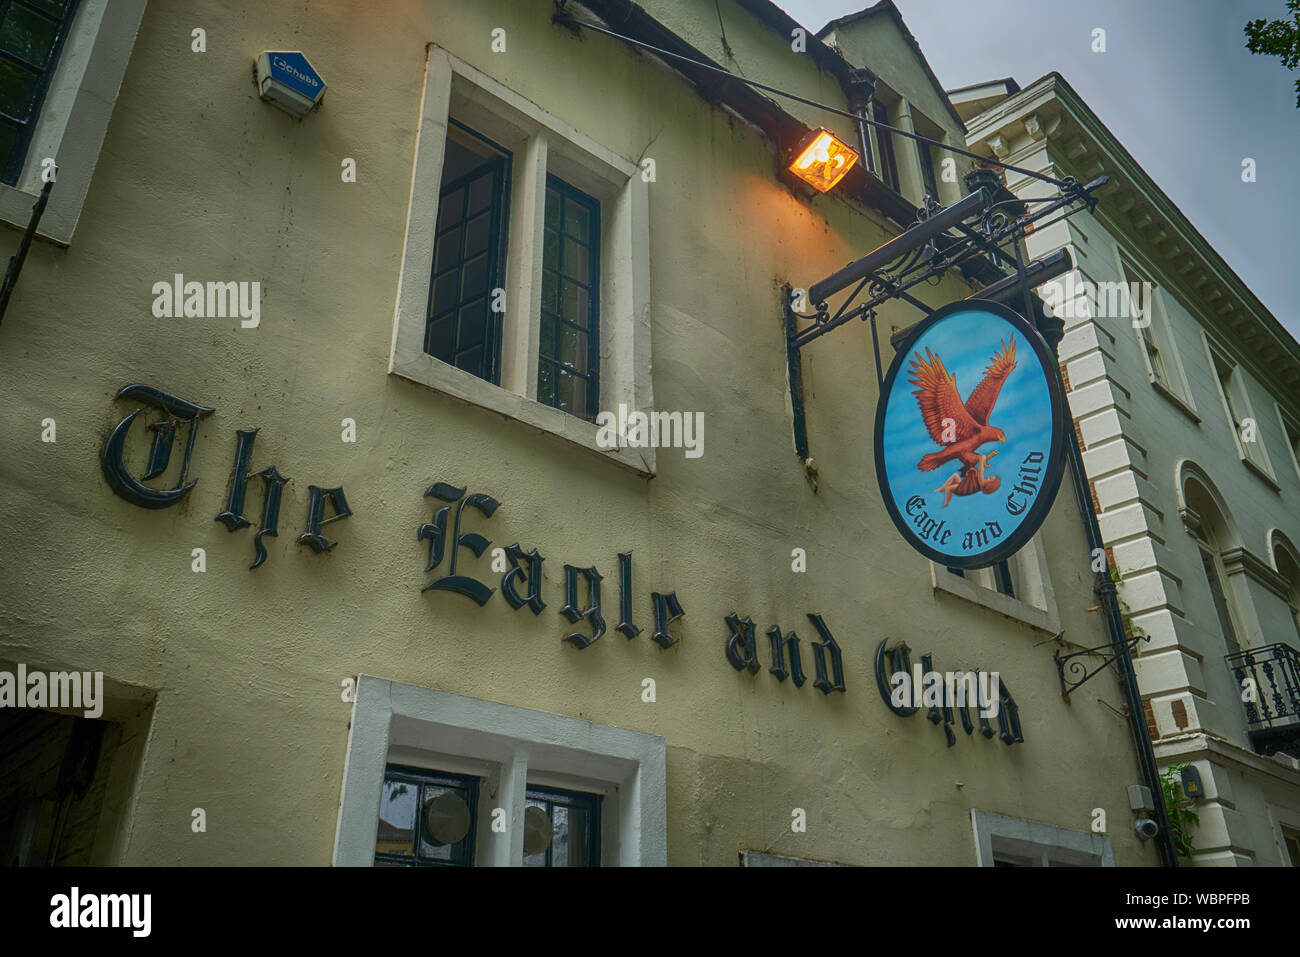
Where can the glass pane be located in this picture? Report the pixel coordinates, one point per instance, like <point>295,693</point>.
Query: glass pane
<point>576,261</point>
<point>8,140</point>
<point>54,7</point>
<point>550,286</point>
<point>446,252</point>
<point>538,833</point>
<point>480,194</point>
<point>397,810</point>
<point>577,220</point>
<point>441,338</point>
<point>547,346</point>
<point>571,393</point>
<point>573,348</point>
<point>575,305</point>
<point>449,208</point>
<point>579,849</point>
<point>477,233</point>
<point>471,361</point>
<point>16,88</point>
<point>444,292</point>
<point>545,383</point>
<point>560,842</point>
<point>551,249</point>
<point>28,35</point>
<point>473,322</point>
<point>445,824</point>
<point>473,278</point>
<point>552,209</point>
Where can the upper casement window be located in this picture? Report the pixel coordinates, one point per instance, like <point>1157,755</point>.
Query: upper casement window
<point>928,180</point>
<point>32,33</point>
<point>887,164</point>
<point>61,67</point>
<point>524,286</point>
<point>1246,432</point>
<point>469,254</point>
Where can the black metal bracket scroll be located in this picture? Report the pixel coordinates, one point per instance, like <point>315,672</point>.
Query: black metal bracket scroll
<point>1078,669</point>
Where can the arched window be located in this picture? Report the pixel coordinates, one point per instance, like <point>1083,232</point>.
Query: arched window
<point>1284,561</point>
<point>1210,530</point>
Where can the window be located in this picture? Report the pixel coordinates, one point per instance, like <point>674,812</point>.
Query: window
<point>569,359</point>
<point>1245,428</point>
<point>561,828</point>
<point>1018,587</point>
<point>463,327</point>
<point>1002,841</point>
<point>928,180</point>
<point>507,198</point>
<point>31,37</point>
<point>1002,579</point>
<point>1292,840</point>
<point>1214,578</point>
<point>426,819</point>
<point>1292,432</point>
<point>61,67</point>
<point>575,793</point>
<point>888,166</point>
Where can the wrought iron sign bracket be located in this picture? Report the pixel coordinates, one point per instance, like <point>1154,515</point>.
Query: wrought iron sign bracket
<point>1079,669</point>
<point>927,251</point>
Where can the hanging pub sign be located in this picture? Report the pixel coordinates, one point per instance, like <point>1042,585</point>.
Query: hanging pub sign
<point>969,435</point>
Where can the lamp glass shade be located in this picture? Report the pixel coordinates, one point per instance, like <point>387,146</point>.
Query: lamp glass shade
<point>823,160</point>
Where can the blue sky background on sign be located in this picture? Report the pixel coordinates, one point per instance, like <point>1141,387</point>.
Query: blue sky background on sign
<point>1177,87</point>
<point>1023,411</point>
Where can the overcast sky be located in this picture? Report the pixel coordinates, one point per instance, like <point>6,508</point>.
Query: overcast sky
<point>1177,87</point>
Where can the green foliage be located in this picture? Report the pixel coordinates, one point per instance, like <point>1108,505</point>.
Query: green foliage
<point>1178,805</point>
<point>1131,629</point>
<point>1279,38</point>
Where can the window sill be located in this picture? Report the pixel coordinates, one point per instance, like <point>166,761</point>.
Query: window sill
<point>1048,622</point>
<point>1262,473</point>
<point>434,374</point>
<point>1173,398</point>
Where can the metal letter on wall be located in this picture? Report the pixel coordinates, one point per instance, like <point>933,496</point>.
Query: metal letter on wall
<point>742,652</point>
<point>835,681</point>
<point>516,554</point>
<point>316,516</point>
<point>571,610</point>
<point>232,516</point>
<point>112,459</point>
<point>435,533</point>
<point>667,610</point>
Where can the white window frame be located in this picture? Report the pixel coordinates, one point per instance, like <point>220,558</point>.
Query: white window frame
<point>1289,425</point>
<point>539,143</point>
<point>1173,385</point>
<point>74,117</point>
<point>509,748</point>
<point>1035,601</point>
<point>1036,844</point>
<point>1257,458</point>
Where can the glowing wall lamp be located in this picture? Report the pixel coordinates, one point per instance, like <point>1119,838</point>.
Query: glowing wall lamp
<point>822,159</point>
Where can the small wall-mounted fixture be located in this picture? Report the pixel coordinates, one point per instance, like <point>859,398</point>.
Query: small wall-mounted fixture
<point>1191,779</point>
<point>285,79</point>
<point>822,159</point>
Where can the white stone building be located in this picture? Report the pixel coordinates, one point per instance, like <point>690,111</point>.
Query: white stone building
<point>1185,391</point>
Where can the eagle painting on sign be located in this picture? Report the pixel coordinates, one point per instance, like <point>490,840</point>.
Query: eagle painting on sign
<point>969,480</point>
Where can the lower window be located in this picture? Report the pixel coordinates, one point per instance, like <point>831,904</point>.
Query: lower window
<point>426,819</point>
<point>561,828</point>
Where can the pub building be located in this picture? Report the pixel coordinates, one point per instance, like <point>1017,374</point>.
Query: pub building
<point>329,383</point>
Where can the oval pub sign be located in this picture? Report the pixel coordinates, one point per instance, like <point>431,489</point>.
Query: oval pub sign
<point>969,434</point>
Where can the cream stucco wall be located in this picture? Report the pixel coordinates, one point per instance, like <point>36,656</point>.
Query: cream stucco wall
<point>199,177</point>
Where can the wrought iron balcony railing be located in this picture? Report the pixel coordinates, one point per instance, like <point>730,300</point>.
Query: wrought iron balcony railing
<point>1269,678</point>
